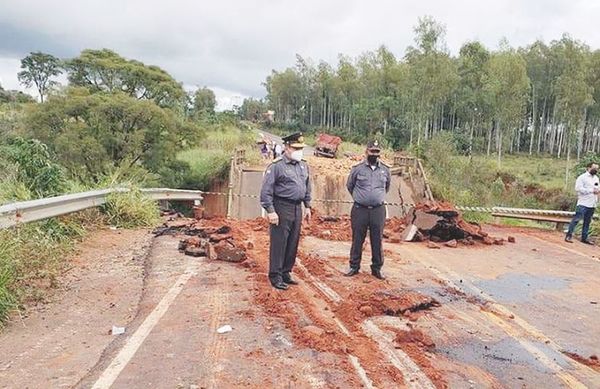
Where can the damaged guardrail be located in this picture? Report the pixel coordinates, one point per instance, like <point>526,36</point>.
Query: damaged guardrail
<point>33,210</point>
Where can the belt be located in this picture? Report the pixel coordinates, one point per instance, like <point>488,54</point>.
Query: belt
<point>368,206</point>
<point>289,201</point>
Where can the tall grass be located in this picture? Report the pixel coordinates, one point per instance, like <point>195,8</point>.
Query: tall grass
<point>131,209</point>
<point>211,158</point>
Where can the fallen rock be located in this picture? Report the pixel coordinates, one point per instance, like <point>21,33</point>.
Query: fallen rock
<point>451,243</point>
<point>226,251</point>
<point>249,245</point>
<point>511,239</point>
<point>433,245</point>
<point>313,331</point>
<point>219,237</point>
<point>499,241</point>
<point>195,251</point>
<point>395,239</point>
<point>366,309</point>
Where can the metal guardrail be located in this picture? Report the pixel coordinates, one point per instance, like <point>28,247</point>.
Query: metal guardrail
<point>29,211</point>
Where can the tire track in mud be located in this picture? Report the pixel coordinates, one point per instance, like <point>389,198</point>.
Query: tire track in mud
<point>413,376</point>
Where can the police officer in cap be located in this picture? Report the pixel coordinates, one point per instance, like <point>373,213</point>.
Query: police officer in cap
<point>285,188</point>
<point>368,183</point>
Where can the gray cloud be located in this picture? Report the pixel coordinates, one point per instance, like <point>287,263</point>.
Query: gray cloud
<point>233,45</point>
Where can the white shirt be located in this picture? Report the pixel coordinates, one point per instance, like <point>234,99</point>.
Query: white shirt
<point>584,186</point>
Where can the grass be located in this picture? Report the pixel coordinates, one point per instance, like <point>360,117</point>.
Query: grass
<point>211,158</point>
<point>131,210</point>
<point>33,256</point>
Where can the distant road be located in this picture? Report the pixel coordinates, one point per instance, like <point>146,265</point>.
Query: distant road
<point>308,150</point>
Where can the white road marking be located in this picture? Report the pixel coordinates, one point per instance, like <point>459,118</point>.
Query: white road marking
<point>413,375</point>
<point>497,317</point>
<point>108,377</point>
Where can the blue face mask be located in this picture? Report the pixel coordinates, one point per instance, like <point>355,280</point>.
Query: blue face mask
<point>372,159</point>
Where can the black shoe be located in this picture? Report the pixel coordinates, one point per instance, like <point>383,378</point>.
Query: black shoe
<point>569,239</point>
<point>377,274</point>
<point>587,242</point>
<point>352,272</point>
<point>289,280</point>
<point>280,285</point>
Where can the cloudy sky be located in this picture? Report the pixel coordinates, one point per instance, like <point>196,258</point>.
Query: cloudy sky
<point>231,46</point>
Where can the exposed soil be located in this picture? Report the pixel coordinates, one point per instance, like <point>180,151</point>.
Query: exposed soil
<point>592,361</point>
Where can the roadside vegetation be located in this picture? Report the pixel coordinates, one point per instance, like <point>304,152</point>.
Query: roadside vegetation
<point>117,123</point>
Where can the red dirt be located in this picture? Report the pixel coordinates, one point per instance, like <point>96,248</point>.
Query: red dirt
<point>592,361</point>
<point>417,345</point>
<point>340,228</point>
<point>322,334</point>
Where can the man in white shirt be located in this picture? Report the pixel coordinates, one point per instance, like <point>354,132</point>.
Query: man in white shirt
<point>587,190</point>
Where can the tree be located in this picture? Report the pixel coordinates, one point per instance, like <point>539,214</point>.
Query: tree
<point>38,69</point>
<point>204,102</point>
<point>252,109</point>
<point>506,85</point>
<point>106,71</point>
<point>94,133</point>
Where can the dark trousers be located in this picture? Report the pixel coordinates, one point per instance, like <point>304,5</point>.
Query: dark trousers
<point>284,240</point>
<point>363,218</point>
<point>584,213</point>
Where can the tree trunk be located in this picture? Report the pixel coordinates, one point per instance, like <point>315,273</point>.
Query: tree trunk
<point>542,126</point>
<point>533,121</point>
<point>499,142</point>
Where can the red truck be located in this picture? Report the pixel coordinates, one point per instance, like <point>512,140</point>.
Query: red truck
<point>327,145</point>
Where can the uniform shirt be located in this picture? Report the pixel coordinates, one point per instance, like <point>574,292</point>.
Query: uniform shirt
<point>368,185</point>
<point>584,186</point>
<point>287,179</point>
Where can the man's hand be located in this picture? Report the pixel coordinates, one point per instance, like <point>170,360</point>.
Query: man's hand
<point>307,214</point>
<point>273,218</point>
<point>596,190</point>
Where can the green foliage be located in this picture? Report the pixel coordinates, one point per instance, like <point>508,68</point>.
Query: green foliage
<point>131,209</point>
<point>211,158</point>
<point>32,259</point>
<point>106,71</point>
<point>204,103</point>
<point>38,69</point>
<point>523,181</point>
<point>34,168</point>
<point>92,134</point>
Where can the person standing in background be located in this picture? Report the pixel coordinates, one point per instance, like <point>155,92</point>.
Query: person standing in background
<point>587,188</point>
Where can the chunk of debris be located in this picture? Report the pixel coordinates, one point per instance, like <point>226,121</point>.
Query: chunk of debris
<point>224,329</point>
<point>227,251</point>
<point>313,330</point>
<point>433,245</point>
<point>511,239</point>
<point>117,330</point>
<point>451,243</point>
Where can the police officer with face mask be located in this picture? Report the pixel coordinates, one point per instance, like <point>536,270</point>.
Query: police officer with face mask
<point>285,188</point>
<point>368,183</point>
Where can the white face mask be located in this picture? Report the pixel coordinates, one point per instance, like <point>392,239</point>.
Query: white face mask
<point>296,155</point>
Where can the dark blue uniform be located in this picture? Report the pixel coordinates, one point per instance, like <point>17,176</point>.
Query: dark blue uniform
<point>286,186</point>
<point>368,185</point>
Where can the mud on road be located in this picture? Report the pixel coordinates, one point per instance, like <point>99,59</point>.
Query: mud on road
<point>514,315</point>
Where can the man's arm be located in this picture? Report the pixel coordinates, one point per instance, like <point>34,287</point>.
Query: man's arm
<point>388,183</point>
<point>351,180</point>
<point>266,191</point>
<point>308,195</point>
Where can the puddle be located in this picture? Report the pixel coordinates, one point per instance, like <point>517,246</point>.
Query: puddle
<point>520,287</point>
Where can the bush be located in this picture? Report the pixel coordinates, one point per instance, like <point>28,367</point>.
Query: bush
<point>131,209</point>
<point>34,167</point>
